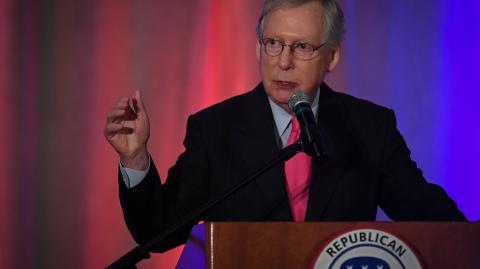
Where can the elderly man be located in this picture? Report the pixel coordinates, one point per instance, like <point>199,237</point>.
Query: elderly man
<point>368,163</point>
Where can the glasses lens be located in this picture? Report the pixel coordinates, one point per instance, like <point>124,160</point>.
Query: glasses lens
<point>272,47</point>
<point>303,50</point>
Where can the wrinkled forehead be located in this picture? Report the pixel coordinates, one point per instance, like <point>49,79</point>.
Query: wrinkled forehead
<point>302,22</point>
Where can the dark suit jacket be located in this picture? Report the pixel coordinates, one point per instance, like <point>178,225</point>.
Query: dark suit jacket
<point>368,165</point>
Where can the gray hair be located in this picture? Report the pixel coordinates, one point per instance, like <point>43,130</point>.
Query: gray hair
<point>332,18</point>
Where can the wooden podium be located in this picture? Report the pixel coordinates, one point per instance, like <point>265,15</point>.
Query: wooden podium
<point>296,245</point>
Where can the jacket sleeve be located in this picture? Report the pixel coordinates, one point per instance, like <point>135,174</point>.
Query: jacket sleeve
<point>404,193</point>
<point>150,207</point>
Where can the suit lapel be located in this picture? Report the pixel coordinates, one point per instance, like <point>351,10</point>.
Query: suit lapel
<point>255,132</point>
<point>326,175</point>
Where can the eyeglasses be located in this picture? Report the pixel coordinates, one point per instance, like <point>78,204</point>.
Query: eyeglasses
<point>301,50</point>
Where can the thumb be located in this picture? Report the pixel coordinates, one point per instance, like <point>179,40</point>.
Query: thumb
<point>140,107</point>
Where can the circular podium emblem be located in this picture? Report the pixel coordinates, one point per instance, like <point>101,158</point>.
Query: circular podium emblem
<point>367,249</point>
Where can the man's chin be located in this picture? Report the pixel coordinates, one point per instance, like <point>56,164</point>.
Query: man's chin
<point>280,95</point>
<point>280,99</point>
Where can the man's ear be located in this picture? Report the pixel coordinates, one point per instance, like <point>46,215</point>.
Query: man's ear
<point>258,48</point>
<point>335,57</point>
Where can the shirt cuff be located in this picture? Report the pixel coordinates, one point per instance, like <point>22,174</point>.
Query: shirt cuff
<point>133,177</point>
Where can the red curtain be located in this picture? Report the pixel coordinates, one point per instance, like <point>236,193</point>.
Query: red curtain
<point>64,64</point>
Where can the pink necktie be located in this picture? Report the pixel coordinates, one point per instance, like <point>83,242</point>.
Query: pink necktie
<point>298,171</point>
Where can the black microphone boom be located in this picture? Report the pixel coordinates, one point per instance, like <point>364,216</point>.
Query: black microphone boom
<point>299,103</point>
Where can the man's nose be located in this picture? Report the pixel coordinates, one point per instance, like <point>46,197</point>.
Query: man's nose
<point>286,58</point>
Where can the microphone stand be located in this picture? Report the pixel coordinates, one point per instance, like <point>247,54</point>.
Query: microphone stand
<point>139,253</point>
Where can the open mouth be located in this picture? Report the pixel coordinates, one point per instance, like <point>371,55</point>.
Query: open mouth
<point>286,85</point>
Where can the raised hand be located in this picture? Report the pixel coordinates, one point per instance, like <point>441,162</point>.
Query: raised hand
<point>127,129</point>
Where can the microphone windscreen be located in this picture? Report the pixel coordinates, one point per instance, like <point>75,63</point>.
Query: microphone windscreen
<point>297,98</point>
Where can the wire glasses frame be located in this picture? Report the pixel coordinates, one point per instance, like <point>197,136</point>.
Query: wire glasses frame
<point>301,50</point>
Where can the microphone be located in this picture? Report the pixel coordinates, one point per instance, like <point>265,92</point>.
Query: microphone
<point>299,103</point>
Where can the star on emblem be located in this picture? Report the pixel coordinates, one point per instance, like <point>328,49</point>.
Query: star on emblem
<point>379,266</point>
<point>364,266</point>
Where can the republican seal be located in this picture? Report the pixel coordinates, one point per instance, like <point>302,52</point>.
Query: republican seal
<point>367,249</point>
